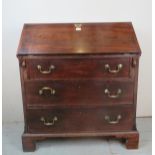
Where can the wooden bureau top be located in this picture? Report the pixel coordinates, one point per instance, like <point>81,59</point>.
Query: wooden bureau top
<point>94,38</point>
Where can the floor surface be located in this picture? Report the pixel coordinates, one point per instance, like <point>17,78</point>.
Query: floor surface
<point>98,146</point>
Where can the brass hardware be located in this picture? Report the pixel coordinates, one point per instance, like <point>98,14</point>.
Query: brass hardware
<point>41,91</point>
<point>117,95</point>
<point>110,121</point>
<point>119,67</point>
<point>23,64</point>
<point>50,122</point>
<point>78,27</point>
<point>52,67</point>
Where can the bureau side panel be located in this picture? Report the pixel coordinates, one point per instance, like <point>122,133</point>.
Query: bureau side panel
<point>23,76</point>
<point>135,64</point>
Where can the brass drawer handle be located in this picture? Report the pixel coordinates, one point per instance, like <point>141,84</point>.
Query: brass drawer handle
<point>119,67</point>
<point>52,67</point>
<point>111,121</point>
<point>50,122</point>
<point>117,95</point>
<point>52,91</point>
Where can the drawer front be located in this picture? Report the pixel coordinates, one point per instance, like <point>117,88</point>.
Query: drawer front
<point>117,118</point>
<point>68,68</point>
<point>74,92</point>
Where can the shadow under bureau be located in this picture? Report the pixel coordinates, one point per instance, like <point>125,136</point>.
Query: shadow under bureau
<point>79,80</point>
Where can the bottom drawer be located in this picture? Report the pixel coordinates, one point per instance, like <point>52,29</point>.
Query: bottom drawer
<point>116,118</point>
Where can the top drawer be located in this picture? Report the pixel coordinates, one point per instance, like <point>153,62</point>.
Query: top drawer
<point>75,67</point>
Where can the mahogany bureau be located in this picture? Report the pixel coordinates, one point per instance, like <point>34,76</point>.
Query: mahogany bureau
<point>79,80</point>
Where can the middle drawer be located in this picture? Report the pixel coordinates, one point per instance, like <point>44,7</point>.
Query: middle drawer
<point>84,92</point>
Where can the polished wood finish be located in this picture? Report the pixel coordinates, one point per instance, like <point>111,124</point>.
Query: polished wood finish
<point>131,138</point>
<point>94,38</point>
<point>78,92</point>
<point>79,67</point>
<point>87,120</point>
<point>79,83</point>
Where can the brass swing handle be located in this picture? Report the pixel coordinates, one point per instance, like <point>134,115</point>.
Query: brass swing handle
<point>52,91</point>
<point>110,121</point>
<point>50,122</point>
<point>119,67</point>
<point>52,67</point>
<point>117,95</point>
